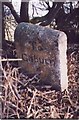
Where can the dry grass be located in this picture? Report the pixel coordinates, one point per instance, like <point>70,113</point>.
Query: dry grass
<point>21,99</point>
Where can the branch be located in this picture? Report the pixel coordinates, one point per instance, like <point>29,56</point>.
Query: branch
<point>24,12</point>
<point>47,3</point>
<point>24,17</point>
<point>46,20</point>
<point>67,18</point>
<point>14,13</point>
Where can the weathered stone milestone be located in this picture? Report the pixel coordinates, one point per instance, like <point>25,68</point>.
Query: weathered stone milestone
<point>43,52</point>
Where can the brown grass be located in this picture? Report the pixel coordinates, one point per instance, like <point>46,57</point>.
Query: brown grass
<point>21,99</point>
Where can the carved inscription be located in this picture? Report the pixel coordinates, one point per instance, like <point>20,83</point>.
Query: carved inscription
<point>37,59</point>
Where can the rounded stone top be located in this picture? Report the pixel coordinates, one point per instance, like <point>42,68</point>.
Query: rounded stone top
<point>29,32</point>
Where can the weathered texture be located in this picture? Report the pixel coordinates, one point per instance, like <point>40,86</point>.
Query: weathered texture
<point>40,50</point>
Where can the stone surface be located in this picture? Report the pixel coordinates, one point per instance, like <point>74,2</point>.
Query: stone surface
<point>40,50</point>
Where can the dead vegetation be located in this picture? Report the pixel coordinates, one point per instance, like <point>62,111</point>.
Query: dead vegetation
<point>20,98</point>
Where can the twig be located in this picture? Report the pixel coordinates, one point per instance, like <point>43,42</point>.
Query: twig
<point>28,113</point>
<point>3,60</point>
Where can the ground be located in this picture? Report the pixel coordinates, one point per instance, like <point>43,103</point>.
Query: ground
<point>21,99</point>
